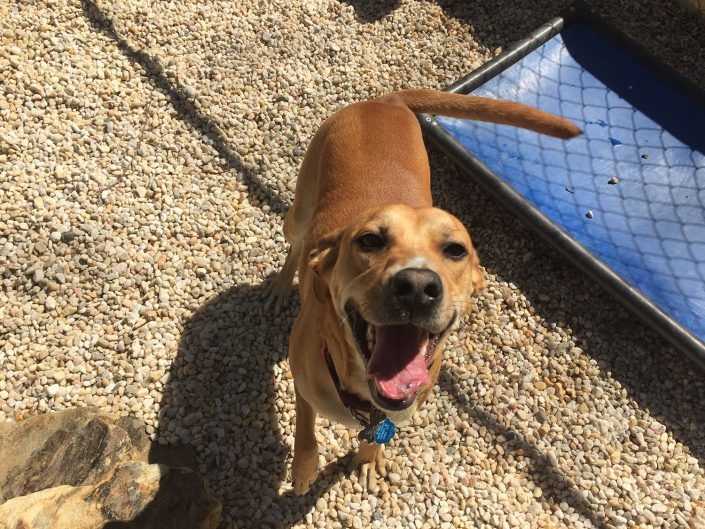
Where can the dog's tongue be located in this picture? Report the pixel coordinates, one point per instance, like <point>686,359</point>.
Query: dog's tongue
<point>398,362</point>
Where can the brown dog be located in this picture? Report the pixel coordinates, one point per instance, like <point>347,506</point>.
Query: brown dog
<point>383,275</point>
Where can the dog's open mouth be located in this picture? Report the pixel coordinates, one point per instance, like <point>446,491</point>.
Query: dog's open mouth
<point>397,356</point>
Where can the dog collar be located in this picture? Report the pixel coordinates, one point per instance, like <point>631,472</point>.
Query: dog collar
<point>349,400</point>
<point>378,428</point>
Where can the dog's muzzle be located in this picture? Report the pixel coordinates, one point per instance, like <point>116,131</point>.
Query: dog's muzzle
<point>397,355</point>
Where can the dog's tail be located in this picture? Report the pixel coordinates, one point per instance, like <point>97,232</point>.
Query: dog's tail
<point>484,109</point>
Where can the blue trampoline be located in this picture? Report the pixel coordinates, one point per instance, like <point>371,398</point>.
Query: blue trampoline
<point>625,200</point>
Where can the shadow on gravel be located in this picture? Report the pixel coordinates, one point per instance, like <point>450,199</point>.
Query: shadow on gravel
<point>372,10</point>
<point>221,399</point>
<point>667,29</point>
<point>259,192</point>
<point>488,21</point>
<point>554,485</point>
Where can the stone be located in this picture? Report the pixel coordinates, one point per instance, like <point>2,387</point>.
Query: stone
<point>96,468</point>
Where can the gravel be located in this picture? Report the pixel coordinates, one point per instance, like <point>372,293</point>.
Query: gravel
<point>148,153</point>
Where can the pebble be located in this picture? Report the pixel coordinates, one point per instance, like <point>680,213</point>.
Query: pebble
<point>38,275</point>
<point>138,228</point>
<point>552,459</point>
<point>55,390</point>
<point>620,521</point>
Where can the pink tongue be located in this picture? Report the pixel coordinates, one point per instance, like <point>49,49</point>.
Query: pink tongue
<point>397,364</point>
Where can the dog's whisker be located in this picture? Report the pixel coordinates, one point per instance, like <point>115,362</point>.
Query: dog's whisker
<point>343,320</point>
<point>347,315</point>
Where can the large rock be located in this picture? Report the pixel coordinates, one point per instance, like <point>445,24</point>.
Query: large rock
<point>82,469</point>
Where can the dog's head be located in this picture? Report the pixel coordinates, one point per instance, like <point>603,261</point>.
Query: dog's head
<point>399,278</point>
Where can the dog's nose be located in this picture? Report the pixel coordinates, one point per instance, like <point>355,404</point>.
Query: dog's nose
<point>417,288</point>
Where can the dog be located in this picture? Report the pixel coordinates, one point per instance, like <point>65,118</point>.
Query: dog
<point>383,275</point>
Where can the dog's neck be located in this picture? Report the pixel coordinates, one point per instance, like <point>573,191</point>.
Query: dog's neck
<point>349,400</point>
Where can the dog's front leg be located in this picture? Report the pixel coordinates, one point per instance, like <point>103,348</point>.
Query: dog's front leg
<point>305,464</point>
<point>370,462</point>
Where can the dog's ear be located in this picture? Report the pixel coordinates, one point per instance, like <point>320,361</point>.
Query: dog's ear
<point>478,276</point>
<point>321,260</point>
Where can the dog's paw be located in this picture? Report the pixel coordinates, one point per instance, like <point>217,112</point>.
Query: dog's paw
<point>303,484</point>
<point>304,472</point>
<point>368,463</point>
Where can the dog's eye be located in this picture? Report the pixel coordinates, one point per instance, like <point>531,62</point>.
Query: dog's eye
<point>370,241</point>
<point>455,250</point>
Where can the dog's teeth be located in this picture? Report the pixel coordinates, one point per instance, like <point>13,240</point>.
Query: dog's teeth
<point>425,341</point>
<point>370,337</point>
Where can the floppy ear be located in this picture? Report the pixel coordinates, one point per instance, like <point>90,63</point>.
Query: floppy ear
<point>321,260</point>
<point>478,276</point>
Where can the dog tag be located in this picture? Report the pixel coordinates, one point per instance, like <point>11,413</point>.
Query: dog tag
<point>367,434</point>
<point>384,431</point>
<point>379,429</point>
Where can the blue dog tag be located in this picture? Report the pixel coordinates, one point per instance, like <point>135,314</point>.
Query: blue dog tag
<point>384,431</point>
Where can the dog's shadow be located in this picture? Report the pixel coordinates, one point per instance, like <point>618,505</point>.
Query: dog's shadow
<point>224,398</point>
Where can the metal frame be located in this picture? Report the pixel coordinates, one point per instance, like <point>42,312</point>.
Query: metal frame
<point>650,313</point>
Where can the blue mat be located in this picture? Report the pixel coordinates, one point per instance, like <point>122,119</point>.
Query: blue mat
<point>643,135</point>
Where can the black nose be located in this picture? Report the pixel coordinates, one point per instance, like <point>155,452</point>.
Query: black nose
<point>417,289</point>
